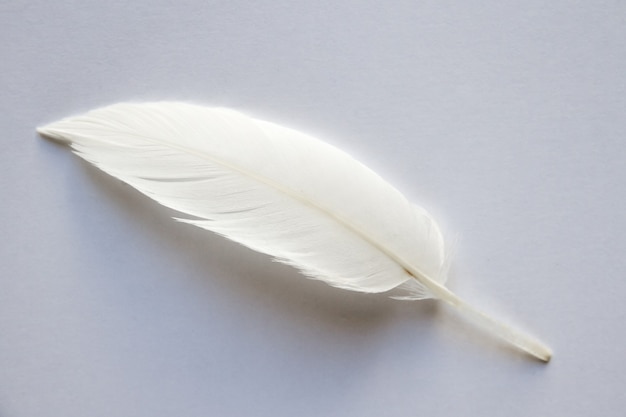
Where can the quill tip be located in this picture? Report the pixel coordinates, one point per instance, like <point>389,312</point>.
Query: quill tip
<point>535,348</point>
<point>547,355</point>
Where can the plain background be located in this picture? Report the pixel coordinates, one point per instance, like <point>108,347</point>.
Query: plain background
<point>505,119</point>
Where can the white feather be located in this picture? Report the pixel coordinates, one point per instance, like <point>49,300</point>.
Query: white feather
<point>276,191</point>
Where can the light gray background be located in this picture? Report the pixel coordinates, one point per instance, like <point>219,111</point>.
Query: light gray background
<point>506,121</point>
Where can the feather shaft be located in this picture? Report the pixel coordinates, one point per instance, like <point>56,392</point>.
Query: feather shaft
<point>515,337</point>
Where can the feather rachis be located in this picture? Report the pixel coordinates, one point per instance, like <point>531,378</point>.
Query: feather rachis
<point>306,195</point>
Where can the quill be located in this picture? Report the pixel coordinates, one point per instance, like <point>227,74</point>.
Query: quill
<point>277,191</point>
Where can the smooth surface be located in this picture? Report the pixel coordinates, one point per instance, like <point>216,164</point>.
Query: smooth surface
<point>506,122</point>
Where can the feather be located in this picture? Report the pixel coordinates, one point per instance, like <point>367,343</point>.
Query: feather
<point>277,191</point>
